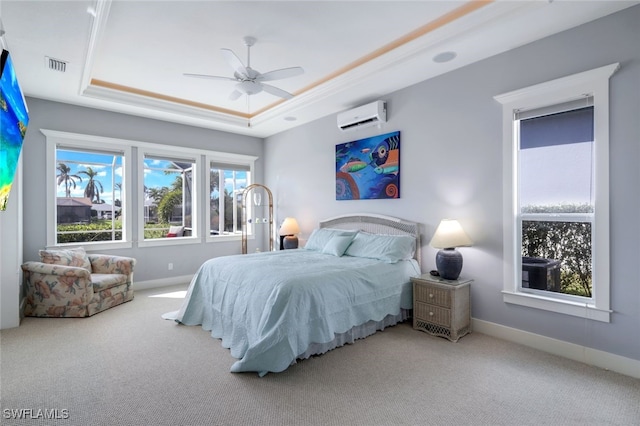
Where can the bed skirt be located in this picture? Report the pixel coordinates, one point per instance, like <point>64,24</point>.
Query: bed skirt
<point>357,332</point>
<point>348,337</point>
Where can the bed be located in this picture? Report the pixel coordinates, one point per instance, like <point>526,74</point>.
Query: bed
<point>270,309</point>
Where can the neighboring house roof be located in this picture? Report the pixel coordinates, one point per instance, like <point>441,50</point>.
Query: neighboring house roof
<point>103,207</point>
<point>74,201</point>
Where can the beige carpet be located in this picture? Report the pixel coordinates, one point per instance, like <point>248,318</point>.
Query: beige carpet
<point>127,366</point>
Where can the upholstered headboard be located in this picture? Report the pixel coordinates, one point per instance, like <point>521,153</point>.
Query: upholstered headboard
<point>376,224</point>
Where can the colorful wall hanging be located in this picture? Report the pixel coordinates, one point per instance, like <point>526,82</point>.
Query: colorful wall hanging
<point>368,168</point>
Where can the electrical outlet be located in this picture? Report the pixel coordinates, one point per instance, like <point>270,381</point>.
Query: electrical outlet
<point>170,266</point>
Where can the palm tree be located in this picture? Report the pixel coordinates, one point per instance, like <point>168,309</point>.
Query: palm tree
<point>68,179</point>
<point>214,180</point>
<point>94,187</point>
<point>171,198</point>
<point>157,193</point>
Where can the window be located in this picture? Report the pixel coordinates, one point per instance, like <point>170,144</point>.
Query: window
<point>556,200</point>
<point>89,199</point>
<point>556,215</point>
<point>90,192</point>
<point>226,184</point>
<point>169,197</point>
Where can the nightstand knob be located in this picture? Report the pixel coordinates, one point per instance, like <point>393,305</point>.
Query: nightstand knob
<point>430,314</point>
<point>430,295</point>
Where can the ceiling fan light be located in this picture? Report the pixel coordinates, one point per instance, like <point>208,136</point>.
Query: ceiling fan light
<point>249,87</point>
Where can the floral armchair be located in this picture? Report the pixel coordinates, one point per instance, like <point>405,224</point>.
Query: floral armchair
<point>72,283</point>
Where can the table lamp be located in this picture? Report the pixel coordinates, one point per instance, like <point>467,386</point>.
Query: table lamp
<point>447,237</point>
<point>288,230</point>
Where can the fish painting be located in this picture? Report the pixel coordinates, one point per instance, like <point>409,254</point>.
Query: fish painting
<point>353,165</point>
<point>386,156</point>
<point>368,168</point>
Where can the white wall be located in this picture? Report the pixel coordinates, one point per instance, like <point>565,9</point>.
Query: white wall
<point>11,249</point>
<point>451,166</point>
<point>11,255</point>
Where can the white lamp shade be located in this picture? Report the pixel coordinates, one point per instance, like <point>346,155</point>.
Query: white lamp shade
<point>289,227</point>
<point>450,234</point>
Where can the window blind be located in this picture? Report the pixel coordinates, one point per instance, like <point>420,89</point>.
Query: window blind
<point>559,128</point>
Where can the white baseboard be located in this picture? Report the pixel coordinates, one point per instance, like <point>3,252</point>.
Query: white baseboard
<point>595,357</point>
<point>162,282</point>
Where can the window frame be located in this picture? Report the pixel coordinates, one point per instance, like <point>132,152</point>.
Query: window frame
<point>555,217</point>
<point>230,159</point>
<point>188,155</point>
<point>55,139</point>
<point>589,83</point>
<point>133,158</point>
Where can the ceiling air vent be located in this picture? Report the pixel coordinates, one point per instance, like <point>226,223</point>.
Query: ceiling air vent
<point>55,64</point>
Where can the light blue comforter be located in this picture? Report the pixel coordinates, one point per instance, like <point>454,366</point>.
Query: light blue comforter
<point>268,307</point>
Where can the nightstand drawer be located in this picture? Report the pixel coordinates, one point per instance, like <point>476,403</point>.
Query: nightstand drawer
<point>433,314</point>
<point>433,295</point>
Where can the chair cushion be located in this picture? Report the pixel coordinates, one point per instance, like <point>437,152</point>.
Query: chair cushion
<point>68,257</point>
<point>104,281</point>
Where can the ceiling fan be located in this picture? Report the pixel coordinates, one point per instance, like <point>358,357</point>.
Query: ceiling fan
<point>249,81</point>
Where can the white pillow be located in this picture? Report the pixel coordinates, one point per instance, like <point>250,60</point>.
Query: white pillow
<point>388,248</point>
<point>321,236</point>
<point>338,244</point>
<point>178,231</point>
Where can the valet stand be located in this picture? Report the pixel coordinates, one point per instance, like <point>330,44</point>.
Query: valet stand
<point>245,194</point>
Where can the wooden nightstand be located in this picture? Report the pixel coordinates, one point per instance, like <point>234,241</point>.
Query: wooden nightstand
<point>441,307</point>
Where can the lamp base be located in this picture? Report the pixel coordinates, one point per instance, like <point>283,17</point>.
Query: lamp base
<point>290,242</point>
<point>449,263</point>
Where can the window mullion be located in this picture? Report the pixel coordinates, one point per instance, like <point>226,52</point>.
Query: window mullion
<point>234,203</point>
<point>221,203</point>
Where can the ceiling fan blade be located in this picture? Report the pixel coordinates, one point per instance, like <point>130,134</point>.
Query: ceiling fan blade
<point>277,92</point>
<point>235,95</point>
<point>210,77</point>
<point>234,62</point>
<point>281,73</point>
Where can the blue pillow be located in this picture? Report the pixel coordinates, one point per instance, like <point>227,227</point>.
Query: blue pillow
<point>338,244</point>
<point>388,248</point>
<point>320,237</point>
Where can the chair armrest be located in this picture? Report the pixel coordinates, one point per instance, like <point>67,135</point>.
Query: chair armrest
<point>57,287</point>
<point>105,264</point>
<point>56,270</point>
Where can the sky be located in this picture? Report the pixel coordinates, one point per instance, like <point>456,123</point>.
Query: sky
<point>110,173</point>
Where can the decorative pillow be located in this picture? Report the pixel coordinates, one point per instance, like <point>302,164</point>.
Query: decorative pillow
<point>321,236</point>
<point>388,248</point>
<point>68,257</point>
<point>177,231</point>
<point>338,244</point>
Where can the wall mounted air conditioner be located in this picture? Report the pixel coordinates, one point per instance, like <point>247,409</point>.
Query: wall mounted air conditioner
<point>363,116</point>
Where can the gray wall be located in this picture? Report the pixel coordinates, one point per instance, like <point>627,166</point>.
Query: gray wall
<point>451,166</point>
<point>151,261</point>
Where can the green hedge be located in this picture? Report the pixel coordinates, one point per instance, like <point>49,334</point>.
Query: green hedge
<point>98,231</point>
<point>101,231</point>
<point>569,242</point>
